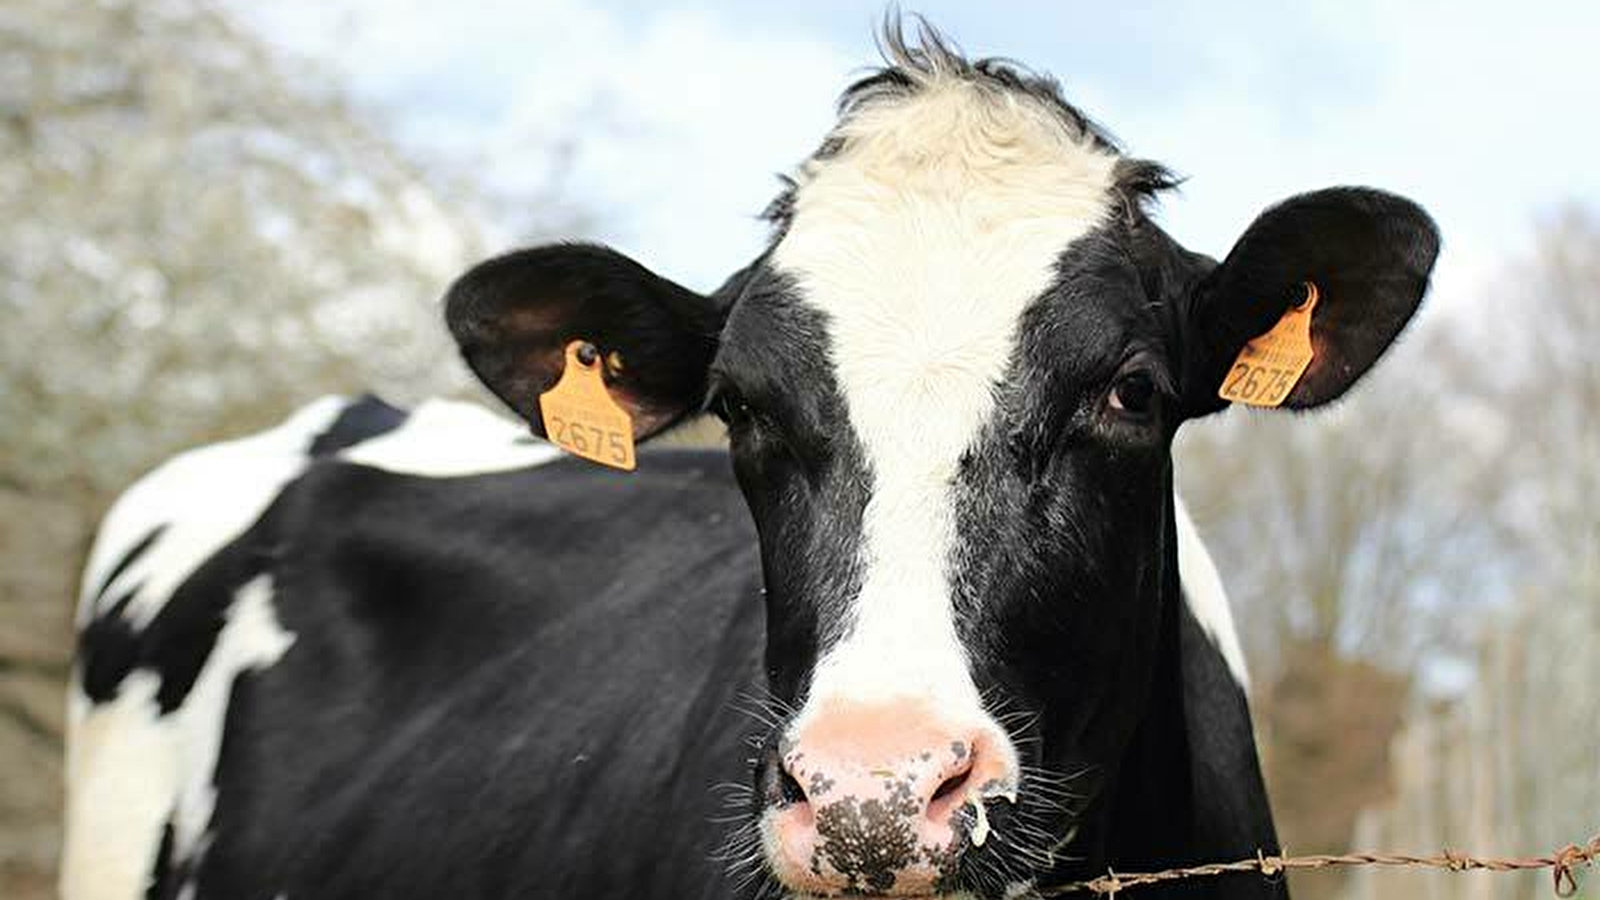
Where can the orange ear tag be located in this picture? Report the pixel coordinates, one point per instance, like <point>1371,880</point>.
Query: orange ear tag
<point>581,418</point>
<point>1269,366</point>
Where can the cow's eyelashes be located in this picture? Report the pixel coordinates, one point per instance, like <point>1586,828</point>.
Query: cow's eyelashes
<point>730,406</point>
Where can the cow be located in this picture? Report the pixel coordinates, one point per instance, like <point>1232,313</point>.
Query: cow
<point>933,624</point>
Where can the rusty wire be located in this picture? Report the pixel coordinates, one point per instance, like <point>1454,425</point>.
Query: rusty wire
<point>1561,863</point>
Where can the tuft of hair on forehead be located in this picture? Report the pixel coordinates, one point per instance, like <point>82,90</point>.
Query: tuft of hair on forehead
<point>924,60</point>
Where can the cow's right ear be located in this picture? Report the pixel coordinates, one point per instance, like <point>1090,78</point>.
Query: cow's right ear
<point>514,315</point>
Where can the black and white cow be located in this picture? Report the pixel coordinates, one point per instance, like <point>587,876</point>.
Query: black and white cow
<point>943,629</point>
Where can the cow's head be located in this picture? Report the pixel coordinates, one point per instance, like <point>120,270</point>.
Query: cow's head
<point>951,386</point>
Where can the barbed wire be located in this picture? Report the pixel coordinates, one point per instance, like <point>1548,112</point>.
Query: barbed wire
<point>1561,863</point>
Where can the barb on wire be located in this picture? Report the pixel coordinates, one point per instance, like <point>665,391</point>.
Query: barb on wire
<point>1560,863</point>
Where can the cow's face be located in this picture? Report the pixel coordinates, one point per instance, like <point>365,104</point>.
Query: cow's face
<point>951,386</point>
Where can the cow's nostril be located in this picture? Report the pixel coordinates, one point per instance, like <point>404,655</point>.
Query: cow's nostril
<point>779,788</point>
<point>951,785</point>
<point>789,790</point>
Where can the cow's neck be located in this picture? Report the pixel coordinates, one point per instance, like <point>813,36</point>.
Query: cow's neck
<point>1189,787</point>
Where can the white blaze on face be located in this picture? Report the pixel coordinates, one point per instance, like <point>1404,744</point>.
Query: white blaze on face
<point>924,239</point>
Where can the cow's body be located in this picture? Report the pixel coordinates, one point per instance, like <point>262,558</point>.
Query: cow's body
<point>372,654</point>
<point>453,664</point>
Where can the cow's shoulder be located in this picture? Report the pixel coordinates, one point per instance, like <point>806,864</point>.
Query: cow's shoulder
<point>443,616</point>
<point>506,525</point>
<point>182,595</point>
<point>169,522</point>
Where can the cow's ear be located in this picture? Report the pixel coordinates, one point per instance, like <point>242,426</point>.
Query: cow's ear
<point>1368,254</point>
<point>514,315</point>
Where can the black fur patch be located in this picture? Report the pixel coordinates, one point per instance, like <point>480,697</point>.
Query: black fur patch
<point>178,640</point>
<point>514,684</point>
<point>803,473</point>
<point>162,885</point>
<point>108,649</point>
<point>128,558</point>
<point>364,419</point>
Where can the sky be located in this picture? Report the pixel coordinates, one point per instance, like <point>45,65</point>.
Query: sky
<point>668,122</point>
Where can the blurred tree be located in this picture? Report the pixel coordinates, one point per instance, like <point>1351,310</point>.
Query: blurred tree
<point>192,239</point>
<point>196,236</point>
<point>1534,743</point>
<point>1548,390</point>
<point>1345,527</point>
<point>1331,718</point>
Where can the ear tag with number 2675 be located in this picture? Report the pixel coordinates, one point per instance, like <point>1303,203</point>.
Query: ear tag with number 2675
<point>579,415</point>
<point>1270,365</point>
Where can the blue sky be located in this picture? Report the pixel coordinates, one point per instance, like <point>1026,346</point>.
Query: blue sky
<point>668,121</point>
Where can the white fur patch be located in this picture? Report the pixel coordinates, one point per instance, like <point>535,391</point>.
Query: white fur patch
<point>206,497</point>
<point>130,769</point>
<point>1202,590</point>
<point>924,240</point>
<point>210,495</point>
<point>251,640</point>
<point>449,439</point>
<point>123,774</point>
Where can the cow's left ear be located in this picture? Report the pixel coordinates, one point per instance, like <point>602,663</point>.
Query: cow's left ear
<point>1368,253</point>
<point>514,315</point>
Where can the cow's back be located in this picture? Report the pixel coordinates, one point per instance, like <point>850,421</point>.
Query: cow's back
<point>434,659</point>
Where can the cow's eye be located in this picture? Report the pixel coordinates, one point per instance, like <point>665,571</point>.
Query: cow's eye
<point>730,407</point>
<point>1134,394</point>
